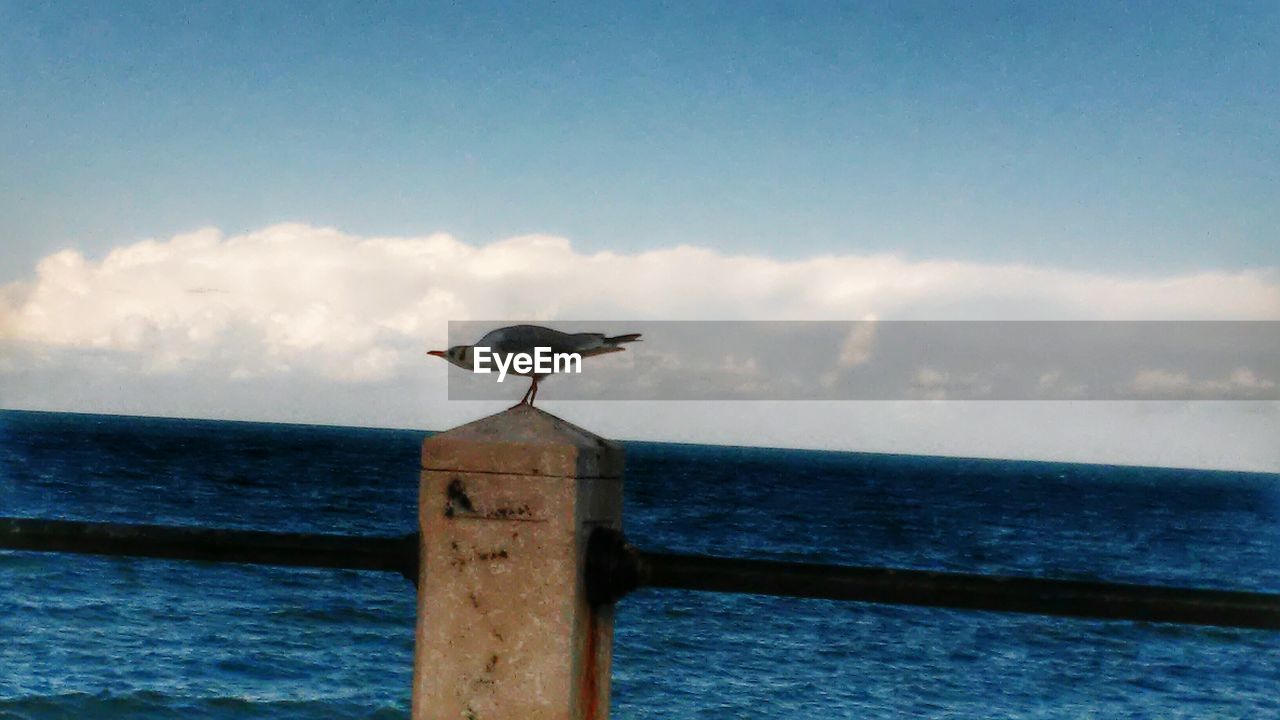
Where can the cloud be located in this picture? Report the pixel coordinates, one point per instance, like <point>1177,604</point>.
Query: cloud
<point>1052,384</point>
<point>856,350</point>
<point>361,309</point>
<point>1161,384</point>
<point>932,384</point>
<point>858,344</point>
<point>298,322</point>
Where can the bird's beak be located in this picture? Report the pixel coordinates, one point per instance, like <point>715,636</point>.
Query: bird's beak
<point>437,353</point>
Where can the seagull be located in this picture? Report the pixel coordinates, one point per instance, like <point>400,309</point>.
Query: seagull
<point>523,339</point>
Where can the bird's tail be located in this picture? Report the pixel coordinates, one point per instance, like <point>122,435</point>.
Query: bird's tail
<point>618,339</point>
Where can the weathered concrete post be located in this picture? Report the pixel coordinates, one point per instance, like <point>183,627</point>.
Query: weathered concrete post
<point>506,505</point>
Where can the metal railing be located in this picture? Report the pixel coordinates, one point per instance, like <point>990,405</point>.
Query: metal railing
<point>614,568</point>
<point>350,552</point>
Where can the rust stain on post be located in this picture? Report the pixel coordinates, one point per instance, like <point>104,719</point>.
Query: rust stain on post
<point>588,677</point>
<point>504,627</point>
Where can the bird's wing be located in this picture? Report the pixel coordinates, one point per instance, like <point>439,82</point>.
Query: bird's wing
<point>603,350</point>
<point>586,343</point>
<point>524,338</point>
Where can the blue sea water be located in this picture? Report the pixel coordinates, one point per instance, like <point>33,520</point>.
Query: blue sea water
<point>89,637</point>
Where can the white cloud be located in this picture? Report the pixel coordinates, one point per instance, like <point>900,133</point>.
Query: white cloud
<point>319,310</point>
<point>354,308</point>
<point>1159,384</point>
<point>858,345</point>
<point>1052,384</point>
<point>932,384</point>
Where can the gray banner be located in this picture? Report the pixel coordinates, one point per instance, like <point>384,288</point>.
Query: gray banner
<point>893,360</point>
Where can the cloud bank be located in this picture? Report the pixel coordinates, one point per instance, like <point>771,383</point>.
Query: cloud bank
<point>332,326</point>
<point>355,309</point>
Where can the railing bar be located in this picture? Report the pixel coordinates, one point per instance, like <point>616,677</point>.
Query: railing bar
<point>619,568</point>
<point>1070,598</point>
<point>387,554</point>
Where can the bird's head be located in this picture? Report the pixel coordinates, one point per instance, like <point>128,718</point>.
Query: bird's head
<point>459,355</point>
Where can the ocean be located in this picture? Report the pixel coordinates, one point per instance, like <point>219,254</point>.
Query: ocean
<point>90,637</point>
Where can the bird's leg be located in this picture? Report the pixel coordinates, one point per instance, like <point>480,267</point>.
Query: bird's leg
<point>528,395</point>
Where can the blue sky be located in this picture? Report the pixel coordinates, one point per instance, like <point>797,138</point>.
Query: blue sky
<point>207,188</point>
<point>1131,138</point>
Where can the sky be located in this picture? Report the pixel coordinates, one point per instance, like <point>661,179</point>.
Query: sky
<point>267,210</point>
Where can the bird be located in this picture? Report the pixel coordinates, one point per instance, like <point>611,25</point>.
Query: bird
<point>506,342</point>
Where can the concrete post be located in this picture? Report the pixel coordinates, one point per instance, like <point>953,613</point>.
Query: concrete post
<point>504,629</point>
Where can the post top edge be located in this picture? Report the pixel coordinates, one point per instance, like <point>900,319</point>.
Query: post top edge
<point>527,426</point>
